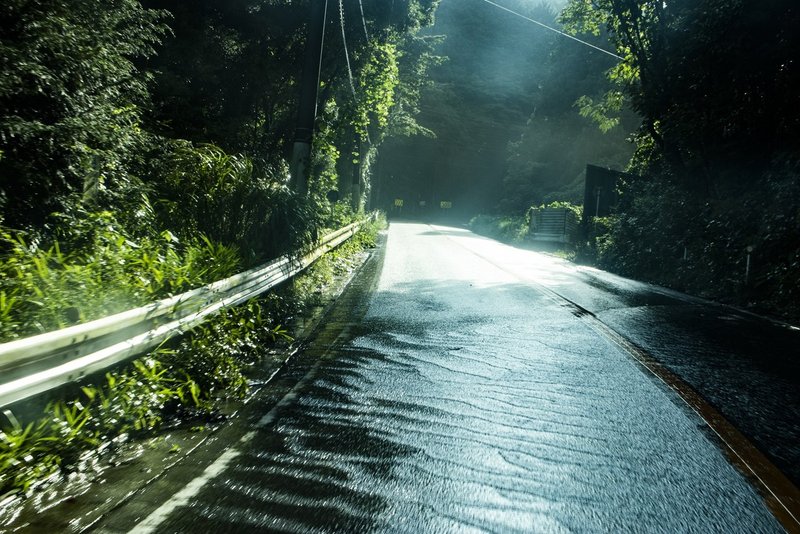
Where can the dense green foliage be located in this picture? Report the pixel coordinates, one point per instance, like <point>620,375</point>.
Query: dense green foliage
<point>181,383</point>
<point>70,99</point>
<point>178,383</point>
<point>95,269</point>
<point>143,149</point>
<point>717,85</point>
<point>143,146</point>
<point>230,74</point>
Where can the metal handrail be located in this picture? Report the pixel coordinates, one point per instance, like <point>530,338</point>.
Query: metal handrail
<point>39,363</point>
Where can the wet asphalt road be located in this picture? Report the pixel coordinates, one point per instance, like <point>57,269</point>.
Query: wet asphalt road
<point>459,397</point>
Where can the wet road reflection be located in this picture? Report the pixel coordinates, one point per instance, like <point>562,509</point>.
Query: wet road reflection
<point>467,400</point>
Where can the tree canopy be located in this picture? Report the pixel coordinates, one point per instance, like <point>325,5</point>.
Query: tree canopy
<point>95,95</point>
<point>71,97</point>
<point>717,84</point>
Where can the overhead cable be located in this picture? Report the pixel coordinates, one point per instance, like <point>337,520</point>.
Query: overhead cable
<point>543,25</point>
<point>346,53</point>
<point>363,20</point>
<point>347,57</point>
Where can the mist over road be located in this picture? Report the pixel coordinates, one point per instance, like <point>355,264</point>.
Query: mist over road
<point>459,395</point>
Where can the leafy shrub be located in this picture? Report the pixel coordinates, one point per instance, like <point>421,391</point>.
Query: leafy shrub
<point>576,209</point>
<point>509,229</point>
<point>181,383</point>
<point>232,200</point>
<point>665,235</point>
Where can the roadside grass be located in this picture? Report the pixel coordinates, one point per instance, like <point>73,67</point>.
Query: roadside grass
<point>94,269</point>
<point>565,254</point>
<point>184,382</point>
<point>505,228</point>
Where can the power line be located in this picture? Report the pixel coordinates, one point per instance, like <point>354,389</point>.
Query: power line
<point>363,20</point>
<point>346,53</point>
<point>347,58</point>
<point>543,25</point>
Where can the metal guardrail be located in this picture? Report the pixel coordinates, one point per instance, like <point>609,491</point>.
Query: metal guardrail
<point>39,363</point>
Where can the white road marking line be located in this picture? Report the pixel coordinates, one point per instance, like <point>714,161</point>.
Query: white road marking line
<point>183,497</point>
<point>193,488</point>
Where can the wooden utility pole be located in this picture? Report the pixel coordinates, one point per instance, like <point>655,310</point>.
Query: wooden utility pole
<point>307,109</point>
